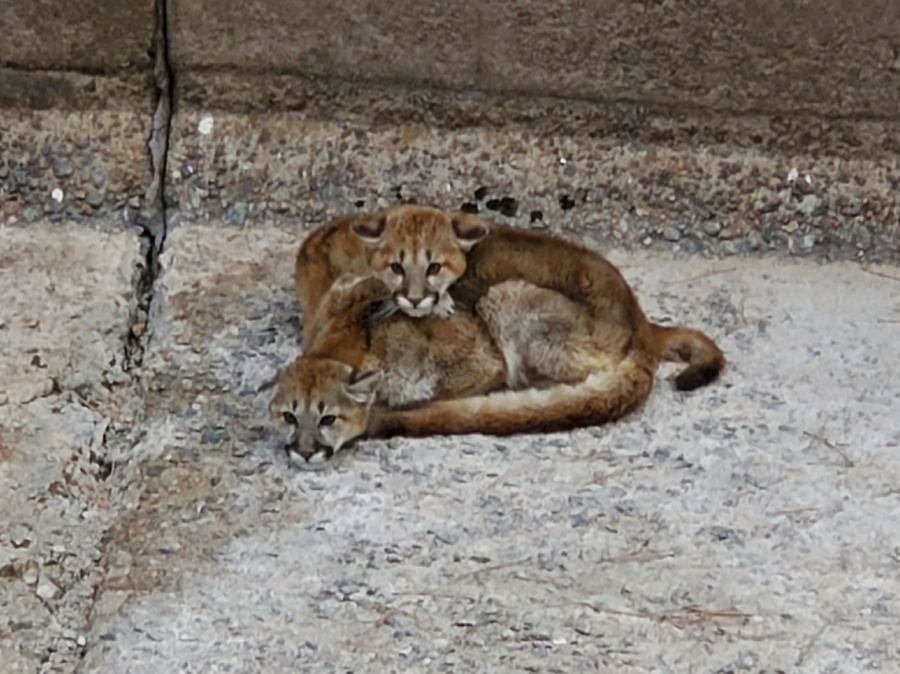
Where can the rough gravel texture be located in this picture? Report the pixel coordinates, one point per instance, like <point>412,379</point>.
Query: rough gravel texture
<point>63,166</point>
<point>666,195</point>
<point>66,398</point>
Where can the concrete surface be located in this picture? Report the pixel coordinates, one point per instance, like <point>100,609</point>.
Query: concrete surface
<point>68,313</point>
<point>750,526</point>
<point>90,35</point>
<point>88,166</point>
<point>836,60</point>
<point>152,525</point>
<point>718,199</point>
<point>839,59</point>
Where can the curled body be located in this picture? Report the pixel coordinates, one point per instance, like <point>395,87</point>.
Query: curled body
<point>323,399</point>
<point>574,346</point>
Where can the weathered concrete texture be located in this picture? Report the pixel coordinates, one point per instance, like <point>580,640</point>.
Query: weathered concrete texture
<point>774,57</point>
<point>94,35</point>
<point>406,40</point>
<point>778,57</point>
<point>371,106</point>
<point>747,526</point>
<point>721,199</point>
<point>67,301</point>
<point>67,90</point>
<point>66,166</point>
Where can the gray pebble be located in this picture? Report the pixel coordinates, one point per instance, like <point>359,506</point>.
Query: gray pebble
<point>98,176</point>
<point>808,204</point>
<point>726,535</point>
<point>94,197</point>
<point>671,233</point>
<point>690,246</point>
<point>4,170</point>
<point>236,216</point>
<point>47,590</point>
<point>712,227</point>
<point>212,436</point>
<point>63,167</point>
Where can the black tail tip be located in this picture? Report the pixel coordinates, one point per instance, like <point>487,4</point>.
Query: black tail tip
<point>698,375</point>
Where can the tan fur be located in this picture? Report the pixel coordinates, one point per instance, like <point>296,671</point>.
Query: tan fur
<point>354,363</point>
<point>566,321</point>
<point>576,371</point>
<point>356,246</point>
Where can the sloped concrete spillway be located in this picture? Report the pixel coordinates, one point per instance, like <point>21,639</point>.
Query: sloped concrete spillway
<point>152,524</point>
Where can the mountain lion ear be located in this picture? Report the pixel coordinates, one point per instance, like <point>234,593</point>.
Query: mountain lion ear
<point>362,386</point>
<point>370,229</point>
<point>469,230</point>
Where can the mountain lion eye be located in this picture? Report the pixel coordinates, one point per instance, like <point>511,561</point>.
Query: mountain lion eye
<point>397,269</point>
<point>327,420</point>
<point>289,418</point>
<point>433,269</point>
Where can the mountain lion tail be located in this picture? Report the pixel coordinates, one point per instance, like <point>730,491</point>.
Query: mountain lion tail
<point>603,397</point>
<point>704,359</point>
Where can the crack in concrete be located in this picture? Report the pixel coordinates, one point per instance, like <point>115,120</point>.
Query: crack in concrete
<point>154,217</point>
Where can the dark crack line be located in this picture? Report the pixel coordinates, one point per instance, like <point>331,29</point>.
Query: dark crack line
<point>154,217</point>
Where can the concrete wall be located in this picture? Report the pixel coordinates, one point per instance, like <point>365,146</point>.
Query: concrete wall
<point>833,57</point>
<point>92,35</point>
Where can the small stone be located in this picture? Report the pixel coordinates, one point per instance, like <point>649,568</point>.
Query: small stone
<point>138,329</point>
<point>712,227</point>
<point>726,535</point>
<point>809,204</point>
<point>47,590</point>
<point>809,241</point>
<point>4,170</point>
<point>81,641</point>
<point>4,399</point>
<point>671,234</point>
<point>31,572</point>
<point>20,536</point>
<point>98,176</point>
<point>690,246</point>
<point>205,126</point>
<point>94,197</point>
<point>134,202</point>
<point>170,547</point>
<point>236,216</point>
<point>63,167</point>
<point>791,227</point>
<point>57,195</point>
<point>213,436</point>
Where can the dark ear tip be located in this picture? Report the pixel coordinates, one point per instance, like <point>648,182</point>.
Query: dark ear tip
<point>469,227</point>
<point>370,227</point>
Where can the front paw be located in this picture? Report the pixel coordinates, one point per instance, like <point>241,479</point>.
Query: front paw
<point>445,307</point>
